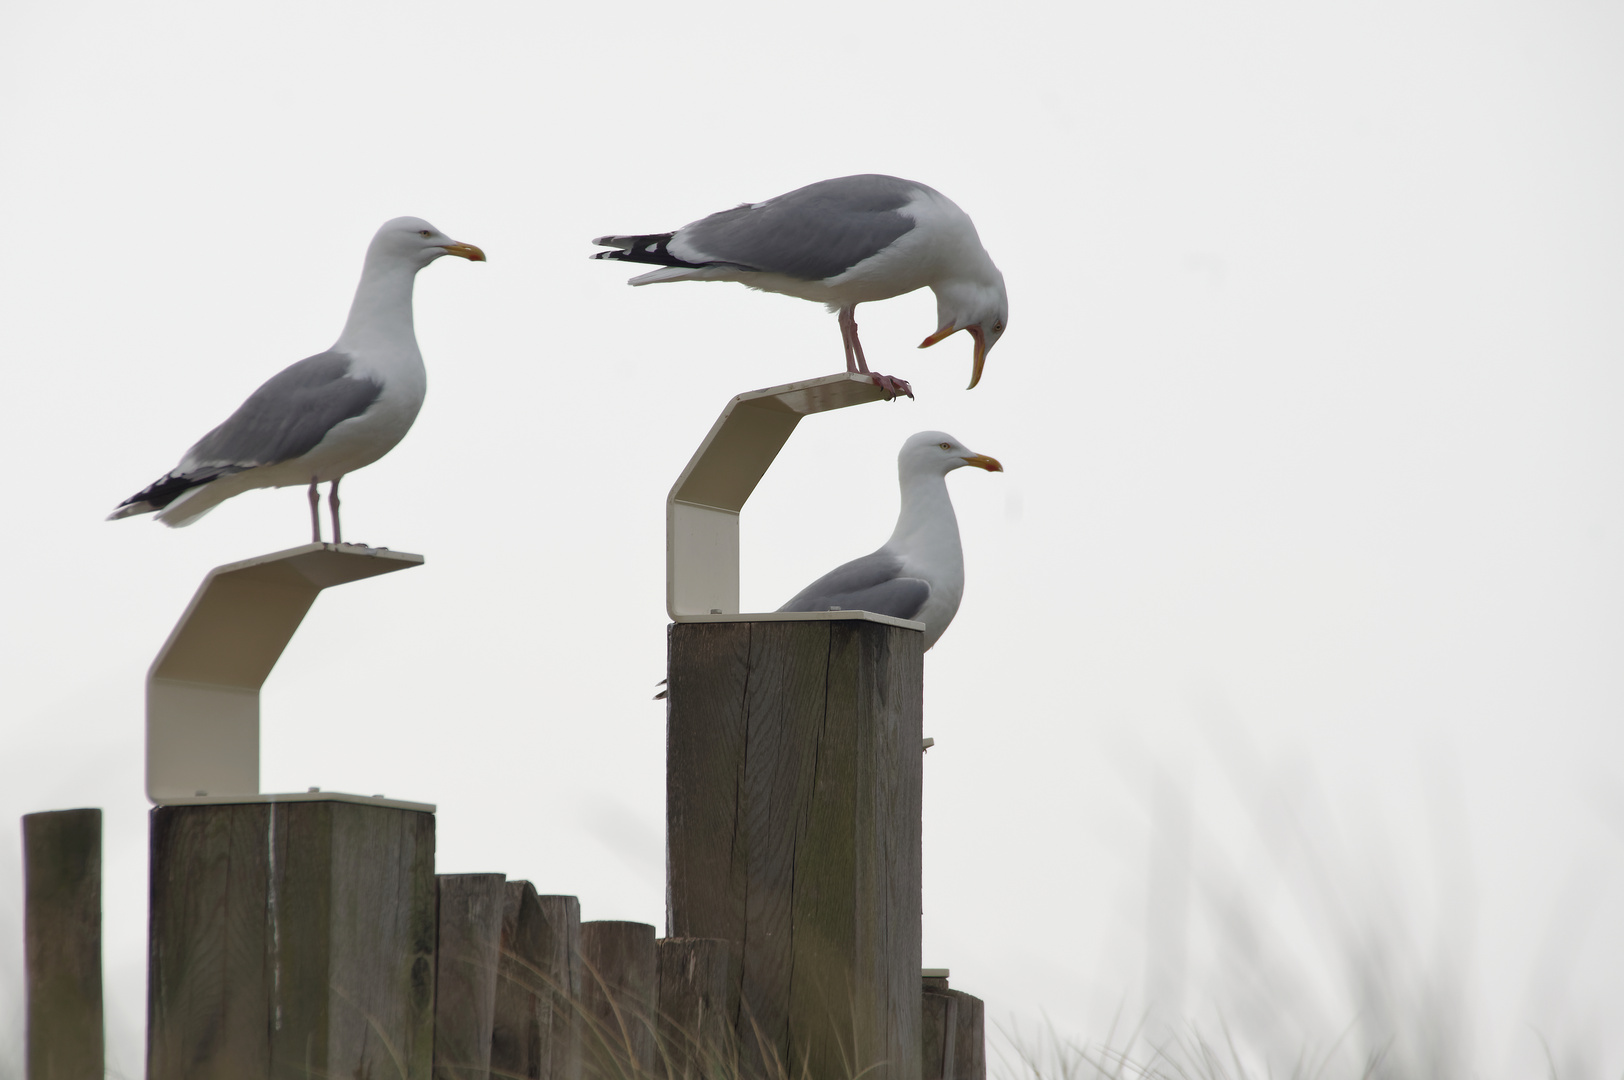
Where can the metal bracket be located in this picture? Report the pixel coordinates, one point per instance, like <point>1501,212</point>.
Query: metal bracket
<point>203,688</point>
<point>702,511</point>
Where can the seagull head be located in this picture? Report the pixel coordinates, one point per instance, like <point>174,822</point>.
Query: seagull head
<point>937,453</point>
<point>981,307</point>
<point>415,241</point>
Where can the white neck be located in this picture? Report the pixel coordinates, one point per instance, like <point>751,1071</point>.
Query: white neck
<point>381,314</point>
<point>958,300</point>
<point>925,506</point>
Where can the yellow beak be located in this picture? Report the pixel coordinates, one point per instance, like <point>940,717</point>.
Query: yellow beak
<point>982,461</point>
<point>466,251</point>
<point>980,358</point>
<point>980,354</point>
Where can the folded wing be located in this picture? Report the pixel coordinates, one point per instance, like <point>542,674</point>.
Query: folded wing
<point>874,583</point>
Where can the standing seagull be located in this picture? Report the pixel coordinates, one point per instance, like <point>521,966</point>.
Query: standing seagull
<point>919,572</point>
<point>842,242</point>
<point>329,414</point>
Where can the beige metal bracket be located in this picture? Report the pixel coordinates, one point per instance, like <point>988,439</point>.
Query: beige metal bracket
<point>203,688</point>
<point>702,511</point>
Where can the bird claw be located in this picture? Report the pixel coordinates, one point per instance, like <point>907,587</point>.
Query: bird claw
<point>891,386</point>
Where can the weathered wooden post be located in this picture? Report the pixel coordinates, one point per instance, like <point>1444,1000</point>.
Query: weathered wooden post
<point>698,1001</point>
<point>291,940</point>
<point>793,776</point>
<point>618,998</point>
<point>292,935</point>
<point>537,1032</point>
<point>955,1037</point>
<point>467,958</point>
<point>62,944</point>
<point>793,796</point>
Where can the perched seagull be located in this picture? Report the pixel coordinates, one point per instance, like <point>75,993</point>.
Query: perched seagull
<point>841,242</point>
<point>329,414</point>
<point>919,572</point>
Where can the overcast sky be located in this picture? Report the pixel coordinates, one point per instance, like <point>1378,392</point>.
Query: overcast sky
<point>1287,686</point>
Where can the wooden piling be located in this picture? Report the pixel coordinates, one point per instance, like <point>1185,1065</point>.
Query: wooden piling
<point>939,1027</point>
<point>793,817</point>
<point>536,1034</point>
<point>618,1002</point>
<point>698,1002</point>
<point>523,1003</point>
<point>467,963</point>
<point>563,954</point>
<point>954,1033</point>
<point>62,944</point>
<point>291,940</point>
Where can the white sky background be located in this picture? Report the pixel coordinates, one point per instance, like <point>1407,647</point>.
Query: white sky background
<point>1287,686</point>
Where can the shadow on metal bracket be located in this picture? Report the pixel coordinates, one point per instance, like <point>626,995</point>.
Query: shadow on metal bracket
<point>702,511</point>
<point>203,688</point>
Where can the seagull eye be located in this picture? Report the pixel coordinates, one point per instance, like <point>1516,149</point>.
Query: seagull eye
<point>945,445</point>
<point>425,233</point>
<point>998,327</point>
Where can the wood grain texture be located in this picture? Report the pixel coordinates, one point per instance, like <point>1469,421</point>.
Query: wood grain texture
<point>62,931</point>
<point>794,800</point>
<point>708,666</point>
<point>969,1038</point>
<point>954,1035</point>
<point>939,1015</point>
<point>618,988</point>
<point>523,1000</point>
<point>468,962</point>
<point>561,948</point>
<point>290,940</point>
<point>698,1000</point>
<point>536,1034</point>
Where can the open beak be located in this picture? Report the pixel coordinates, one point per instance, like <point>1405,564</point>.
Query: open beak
<point>466,251</point>
<point>981,348</point>
<point>982,461</point>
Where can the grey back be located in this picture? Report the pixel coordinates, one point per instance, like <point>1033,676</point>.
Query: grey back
<point>287,416</point>
<point>872,583</point>
<point>811,233</point>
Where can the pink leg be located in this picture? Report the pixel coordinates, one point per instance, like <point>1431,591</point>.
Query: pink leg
<point>332,508</point>
<point>848,333</point>
<point>889,385</point>
<point>315,513</point>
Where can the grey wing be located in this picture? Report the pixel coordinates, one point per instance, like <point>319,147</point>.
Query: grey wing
<point>873,583</point>
<point>811,233</point>
<point>287,416</point>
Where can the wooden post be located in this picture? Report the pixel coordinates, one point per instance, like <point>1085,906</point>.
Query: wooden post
<point>698,1000</point>
<point>467,954</point>
<point>62,944</point>
<point>523,1002</point>
<point>955,1038</point>
<point>618,998</point>
<point>793,814</point>
<point>291,940</point>
<point>563,916</point>
<point>536,1035</point>
<point>940,1015</point>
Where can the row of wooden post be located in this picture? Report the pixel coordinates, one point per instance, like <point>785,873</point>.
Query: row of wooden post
<point>524,988</point>
<point>521,986</point>
<point>313,938</point>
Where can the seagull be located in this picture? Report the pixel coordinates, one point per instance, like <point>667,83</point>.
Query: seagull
<point>327,415</point>
<point>918,573</point>
<point>841,242</point>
